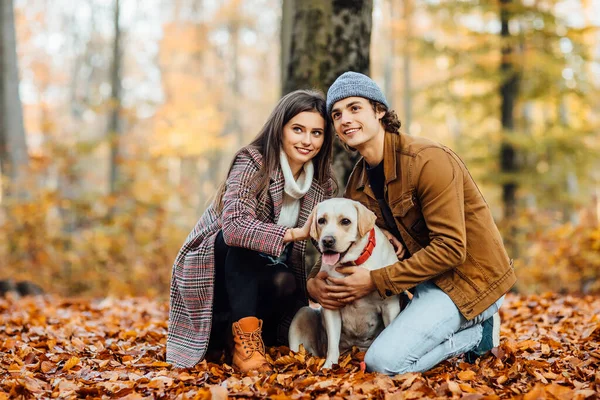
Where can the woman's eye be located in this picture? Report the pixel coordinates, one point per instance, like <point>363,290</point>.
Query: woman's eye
<point>345,221</point>
<point>321,221</point>
<point>297,129</point>
<point>317,133</point>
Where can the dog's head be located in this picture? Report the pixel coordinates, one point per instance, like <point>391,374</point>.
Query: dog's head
<point>337,224</point>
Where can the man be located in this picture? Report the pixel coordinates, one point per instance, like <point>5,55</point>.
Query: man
<point>451,254</point>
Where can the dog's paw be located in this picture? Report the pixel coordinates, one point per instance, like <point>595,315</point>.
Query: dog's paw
<point>329,363</point>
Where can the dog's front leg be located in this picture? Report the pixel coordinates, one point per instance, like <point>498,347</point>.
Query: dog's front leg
<point>390,310</point>
<point>333,327</point>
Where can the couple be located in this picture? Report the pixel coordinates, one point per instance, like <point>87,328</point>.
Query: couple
<point>241,270</point>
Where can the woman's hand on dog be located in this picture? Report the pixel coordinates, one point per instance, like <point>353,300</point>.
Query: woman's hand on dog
<point>319,290</point>
<point>300,233</point>
<point>400,249</point>
<point>356,284</point>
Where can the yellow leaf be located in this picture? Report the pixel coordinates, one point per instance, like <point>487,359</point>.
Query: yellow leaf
<point>73,361</point>
<point>160,364</point>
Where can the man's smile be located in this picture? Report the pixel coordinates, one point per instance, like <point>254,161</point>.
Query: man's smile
<point>350,131</point>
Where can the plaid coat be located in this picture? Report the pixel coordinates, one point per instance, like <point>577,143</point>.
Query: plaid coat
<point>246,221</point>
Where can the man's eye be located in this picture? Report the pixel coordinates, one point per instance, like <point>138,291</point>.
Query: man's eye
<point>345,221</point>
<point>355,108</point>
<point>321,221</point>
<point>336,116</point>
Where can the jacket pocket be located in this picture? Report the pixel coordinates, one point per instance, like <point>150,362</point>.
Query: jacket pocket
<point>401,207</point>
<point>407,211</point>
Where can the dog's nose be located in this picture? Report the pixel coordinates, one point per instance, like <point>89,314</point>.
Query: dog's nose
<point>328,241</point>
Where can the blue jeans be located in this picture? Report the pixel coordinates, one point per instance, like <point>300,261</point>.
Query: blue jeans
<point>428,331</point>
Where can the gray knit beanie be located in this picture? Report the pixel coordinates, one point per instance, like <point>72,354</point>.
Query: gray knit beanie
<point>351,84</point>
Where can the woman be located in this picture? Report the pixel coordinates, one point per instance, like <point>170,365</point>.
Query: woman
<point>243,263</point>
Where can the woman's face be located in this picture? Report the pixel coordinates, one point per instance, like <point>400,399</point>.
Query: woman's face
<point>303,137</point>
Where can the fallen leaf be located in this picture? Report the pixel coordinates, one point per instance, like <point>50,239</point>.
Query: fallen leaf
<point>466,375</point>
<point>73,361</point>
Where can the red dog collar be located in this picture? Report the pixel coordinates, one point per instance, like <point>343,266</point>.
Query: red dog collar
<point>364,256</point>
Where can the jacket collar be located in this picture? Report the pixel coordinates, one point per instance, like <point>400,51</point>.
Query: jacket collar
<point>391,144</point>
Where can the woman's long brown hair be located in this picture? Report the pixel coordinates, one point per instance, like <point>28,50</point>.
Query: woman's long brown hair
<point>270,138</point>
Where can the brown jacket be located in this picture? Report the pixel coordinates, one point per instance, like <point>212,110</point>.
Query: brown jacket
<point>444,221</point>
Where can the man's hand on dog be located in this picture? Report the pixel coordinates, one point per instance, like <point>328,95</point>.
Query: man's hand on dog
<point>356,284</point>
<point>400,249</point>
<point>320,291</point>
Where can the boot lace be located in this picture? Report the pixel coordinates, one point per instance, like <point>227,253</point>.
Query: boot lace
<point>253,342</point>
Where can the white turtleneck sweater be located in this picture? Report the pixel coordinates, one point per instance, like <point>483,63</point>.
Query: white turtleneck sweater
<point>293,191</point>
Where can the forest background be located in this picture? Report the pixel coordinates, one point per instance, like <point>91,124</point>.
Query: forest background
<point>119,118</point>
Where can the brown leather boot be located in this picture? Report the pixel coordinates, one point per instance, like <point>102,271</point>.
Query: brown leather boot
<point>249,351</point>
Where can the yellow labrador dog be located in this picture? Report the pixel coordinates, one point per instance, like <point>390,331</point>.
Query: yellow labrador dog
<point>346,234</point>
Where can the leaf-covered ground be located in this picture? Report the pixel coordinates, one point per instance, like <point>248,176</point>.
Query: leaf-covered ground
<point>69,348</point>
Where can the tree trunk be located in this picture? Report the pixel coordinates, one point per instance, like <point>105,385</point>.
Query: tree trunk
<point>508,92</point>
<point>287,21</point>
<point>406,70</point>
<point>329,37</point>
<point>14,159</point>
<point>236,92</point>
<point>114,127</point>
<point>390,55</point>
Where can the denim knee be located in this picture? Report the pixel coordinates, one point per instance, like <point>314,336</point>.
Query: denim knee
<point>386,362</point>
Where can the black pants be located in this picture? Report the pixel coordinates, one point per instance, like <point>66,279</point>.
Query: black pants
<point>246,285</point>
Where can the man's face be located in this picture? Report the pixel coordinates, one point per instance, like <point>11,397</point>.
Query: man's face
<point>355,122</point>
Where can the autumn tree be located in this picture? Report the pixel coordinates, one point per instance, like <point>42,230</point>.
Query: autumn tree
<point>509,87</point>
<point>516,79</point>
<point>14,159</point>
<point>114,126</point>
<point>326,39</point>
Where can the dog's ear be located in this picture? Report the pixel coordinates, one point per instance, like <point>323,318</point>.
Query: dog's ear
<point>366,219</point>
<point>313,223</point>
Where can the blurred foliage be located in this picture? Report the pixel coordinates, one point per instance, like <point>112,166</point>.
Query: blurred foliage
<point>92,243</point>
<point>199,79</point>
<point>564,259</point>
<point>556,111</point>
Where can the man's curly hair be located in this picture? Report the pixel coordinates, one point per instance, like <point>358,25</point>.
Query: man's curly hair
<point>390,120</point>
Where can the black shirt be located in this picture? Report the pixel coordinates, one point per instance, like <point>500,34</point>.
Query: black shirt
<point>377,182</point>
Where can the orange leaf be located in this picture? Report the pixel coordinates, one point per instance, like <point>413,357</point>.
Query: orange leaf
<point>47,366</point>
<point>466,375</point>
<point>285,360</point>
<point>465,387</point>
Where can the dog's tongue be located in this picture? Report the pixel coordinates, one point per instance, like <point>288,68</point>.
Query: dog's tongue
<point>330,258</point>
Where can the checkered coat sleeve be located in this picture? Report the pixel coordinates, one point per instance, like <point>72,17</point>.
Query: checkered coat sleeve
<point>246,221</point>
